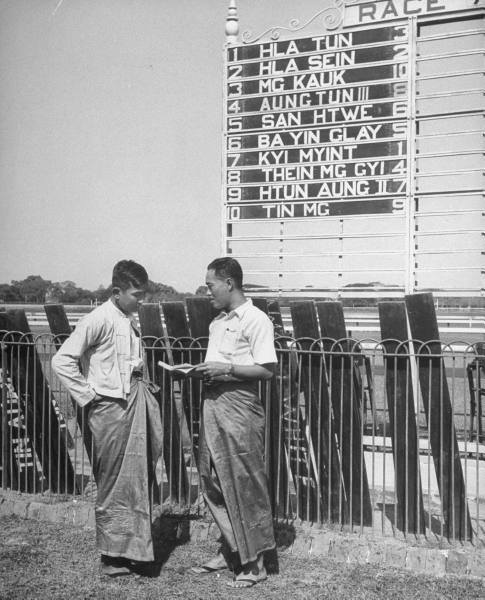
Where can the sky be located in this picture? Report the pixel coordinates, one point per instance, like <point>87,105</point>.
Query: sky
<point>111,134</point>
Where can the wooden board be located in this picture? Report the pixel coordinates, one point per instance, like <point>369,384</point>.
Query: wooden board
<point>17,459</point>
<point>45,428</point>
<point>438,409</point>
<point>57,319</point>
<point>346,396</point>
<point>175,319</point>
<point>409,516</point>
<point>326,468</point>
<point>274,312</point>
<point>200,314</point>
<point>272,397</point>
<point>261,303</point>
<point>61,329</point>
<point>156,349</point>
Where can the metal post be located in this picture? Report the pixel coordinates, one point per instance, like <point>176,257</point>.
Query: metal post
<point>232,31</point>
<point>410,282</point>
<point>5,438</point>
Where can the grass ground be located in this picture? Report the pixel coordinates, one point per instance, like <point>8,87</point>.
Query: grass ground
<point>40,560</point>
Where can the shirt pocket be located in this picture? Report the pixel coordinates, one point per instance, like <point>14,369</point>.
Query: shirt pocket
<point>229,341</point>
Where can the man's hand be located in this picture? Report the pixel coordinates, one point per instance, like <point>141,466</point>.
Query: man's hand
<point>215,371</point>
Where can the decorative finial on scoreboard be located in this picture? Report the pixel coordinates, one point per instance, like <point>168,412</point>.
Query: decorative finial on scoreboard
<point>232,23</point>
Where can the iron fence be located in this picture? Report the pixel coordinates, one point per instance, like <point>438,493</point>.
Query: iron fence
<point>382,436</point>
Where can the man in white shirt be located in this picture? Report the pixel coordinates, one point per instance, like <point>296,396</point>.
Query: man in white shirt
<point>240,353</point>
<point>101,366</point>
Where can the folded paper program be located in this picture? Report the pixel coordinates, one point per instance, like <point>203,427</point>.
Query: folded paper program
<point>182,369</point>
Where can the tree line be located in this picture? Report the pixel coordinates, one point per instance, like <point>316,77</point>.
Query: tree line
<point>35,289</point>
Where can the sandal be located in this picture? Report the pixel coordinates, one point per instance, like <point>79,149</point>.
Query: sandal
<point>218,563</point>
<point>245,580</point>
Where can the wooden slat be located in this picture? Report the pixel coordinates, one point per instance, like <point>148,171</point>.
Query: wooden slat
<point>313,382</point>
<point>402,416</point>
<point>286,369</point>
<point>17,459</point>
<point>272,398</point>
<point>346,397</point>
<point>276,441</point>
<point>437,405</point>
<point>261,303</point>
<point>200,314</point>
<point>57,319</point>
<point>156,349</point>
<point>175,319</point>
<point>274,312</point>
<point>150,320</point>
<point>60,329</point>
<point>43,425</point>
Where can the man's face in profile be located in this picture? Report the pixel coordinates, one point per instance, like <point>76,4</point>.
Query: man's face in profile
<point>218,290</point>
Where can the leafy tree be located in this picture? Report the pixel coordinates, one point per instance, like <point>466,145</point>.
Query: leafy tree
<point>33,288</point>
<point>158,292</point>
<point>9,293</point>
<point>102,293</point>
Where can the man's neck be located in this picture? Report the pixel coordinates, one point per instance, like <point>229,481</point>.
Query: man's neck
<point>237,300</point>
<point>114,301</point>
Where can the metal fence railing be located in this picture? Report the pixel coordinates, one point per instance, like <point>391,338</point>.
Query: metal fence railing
<point>371,435</point>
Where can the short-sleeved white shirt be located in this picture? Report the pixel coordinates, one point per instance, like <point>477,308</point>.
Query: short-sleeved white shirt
<point>243,336</point>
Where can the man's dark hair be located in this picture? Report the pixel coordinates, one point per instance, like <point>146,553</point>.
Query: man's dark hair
<point>128,273</point>
<point>227,267</point>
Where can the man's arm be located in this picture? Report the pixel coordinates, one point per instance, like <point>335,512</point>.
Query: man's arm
<point>218,371</point>
<point>65,362</point>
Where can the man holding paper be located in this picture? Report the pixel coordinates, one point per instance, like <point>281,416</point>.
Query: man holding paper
<point>240,353</point>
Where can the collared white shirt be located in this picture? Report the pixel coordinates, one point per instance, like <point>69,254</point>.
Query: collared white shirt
<point>100,355</point>
<point>243,336</point>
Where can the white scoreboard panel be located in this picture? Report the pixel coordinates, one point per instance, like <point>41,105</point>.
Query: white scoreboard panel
<point>354,160</point>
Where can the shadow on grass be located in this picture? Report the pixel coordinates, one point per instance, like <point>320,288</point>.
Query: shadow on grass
<point>170,531</point>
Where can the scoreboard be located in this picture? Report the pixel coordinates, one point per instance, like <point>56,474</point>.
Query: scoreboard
<point>353,159</point>
<point>307,157</point>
